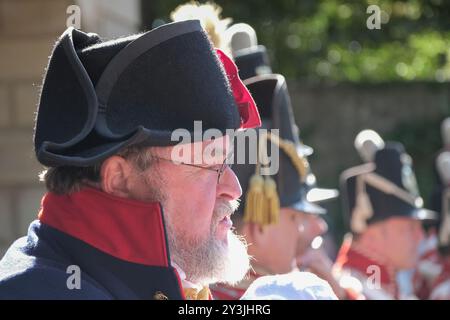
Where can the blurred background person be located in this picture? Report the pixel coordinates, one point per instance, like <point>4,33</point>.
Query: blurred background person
<point>384,212</point>
<point>252,60</point>
<point>271,212</point>
<point>312,255</point>
<point>432,270</point>
<point>440,286</point>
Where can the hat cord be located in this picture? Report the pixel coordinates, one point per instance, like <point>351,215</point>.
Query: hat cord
<point>388,187</point>
<point>288,147</point>
<point>363,210</point>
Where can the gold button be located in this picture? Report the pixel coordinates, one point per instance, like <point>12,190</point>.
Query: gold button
<point>160,296</point>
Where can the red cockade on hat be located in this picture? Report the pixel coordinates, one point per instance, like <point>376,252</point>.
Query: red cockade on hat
<point>244,100</point>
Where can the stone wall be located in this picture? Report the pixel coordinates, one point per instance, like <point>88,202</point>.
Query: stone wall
<point>28,30</point>
<point>330,116</point>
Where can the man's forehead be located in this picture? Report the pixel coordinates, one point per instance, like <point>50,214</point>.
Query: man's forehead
<point>403,220</point>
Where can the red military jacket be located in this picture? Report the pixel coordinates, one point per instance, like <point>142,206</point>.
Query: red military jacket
<point>221,291</point>
<point>363,275</point>
<point>227,292</point>
<point>428,269</point>
<point>440,288</point>
<point>119,245</point>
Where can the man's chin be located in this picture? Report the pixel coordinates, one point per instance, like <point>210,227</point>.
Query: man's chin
<point>223,260</point>
<point>238,261</point>
<point>301,251</point>
<point>223,238</point>
<point>223,229</point>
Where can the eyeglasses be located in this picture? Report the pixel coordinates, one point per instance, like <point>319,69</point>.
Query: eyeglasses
<point>219,170</point>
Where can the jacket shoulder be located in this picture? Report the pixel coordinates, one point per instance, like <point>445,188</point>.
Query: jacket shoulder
<point>47,282</point>
<point>25,276</point>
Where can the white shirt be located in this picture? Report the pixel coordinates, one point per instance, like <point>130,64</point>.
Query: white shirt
<point>290,286</point>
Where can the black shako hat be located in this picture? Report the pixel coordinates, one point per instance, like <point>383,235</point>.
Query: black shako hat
<point>251,59</point>
<point>252,62</point>
<point>295,183</point>
<point>382,189</point>
<point>99,97</point>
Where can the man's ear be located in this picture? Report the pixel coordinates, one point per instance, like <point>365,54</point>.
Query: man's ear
<point>115,173</point>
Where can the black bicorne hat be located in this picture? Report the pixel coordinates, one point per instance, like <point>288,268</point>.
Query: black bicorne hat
<point>383,189</point>
<point>294,180</point>
<point>99,97</point>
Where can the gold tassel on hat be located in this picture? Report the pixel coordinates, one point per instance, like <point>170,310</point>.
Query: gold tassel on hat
<point>262,204</point>
<point>254,200</point>
<point>272,201</point>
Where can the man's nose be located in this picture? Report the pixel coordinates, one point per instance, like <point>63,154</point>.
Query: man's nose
<point>229,187</point>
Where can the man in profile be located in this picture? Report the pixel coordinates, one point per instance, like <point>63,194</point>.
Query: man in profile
<point>120,212</point>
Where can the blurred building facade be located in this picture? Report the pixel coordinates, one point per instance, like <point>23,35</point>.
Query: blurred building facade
<point>28,30</point>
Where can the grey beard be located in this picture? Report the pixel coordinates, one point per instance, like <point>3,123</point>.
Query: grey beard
<point>209,261</point>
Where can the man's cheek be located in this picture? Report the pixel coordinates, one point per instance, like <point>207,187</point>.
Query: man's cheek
<point>203,216</point>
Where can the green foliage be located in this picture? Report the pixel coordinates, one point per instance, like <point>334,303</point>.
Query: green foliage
<point>328,39</point>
